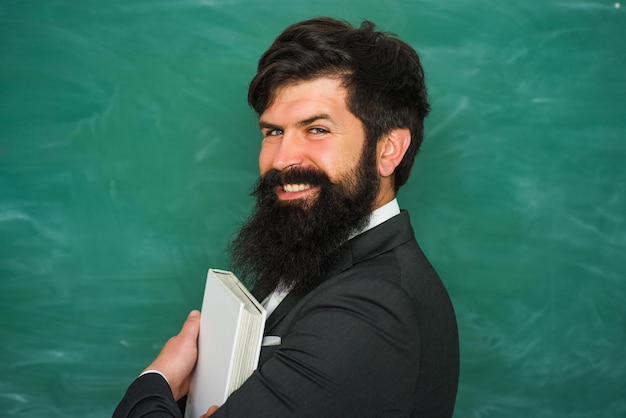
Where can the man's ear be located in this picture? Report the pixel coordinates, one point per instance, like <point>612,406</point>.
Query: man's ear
<point>391,150</point>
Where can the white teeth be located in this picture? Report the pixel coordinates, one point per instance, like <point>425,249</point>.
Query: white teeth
<point>291,188</point>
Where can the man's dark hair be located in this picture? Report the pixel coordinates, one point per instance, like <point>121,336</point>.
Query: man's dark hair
<point>383,77</point>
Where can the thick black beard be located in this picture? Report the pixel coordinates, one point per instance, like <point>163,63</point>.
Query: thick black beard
<point>293,244</point>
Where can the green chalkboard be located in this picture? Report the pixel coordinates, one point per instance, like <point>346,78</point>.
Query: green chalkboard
<point>127,151</point>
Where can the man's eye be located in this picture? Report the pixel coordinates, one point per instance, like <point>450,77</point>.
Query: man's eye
<point>318,130</point>
<point>273,132</point>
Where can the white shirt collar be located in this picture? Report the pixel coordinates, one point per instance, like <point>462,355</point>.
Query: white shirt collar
<point>380,215</point>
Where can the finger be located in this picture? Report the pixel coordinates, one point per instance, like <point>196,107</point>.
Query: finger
<point>191,326</point>
<point>210,411</point>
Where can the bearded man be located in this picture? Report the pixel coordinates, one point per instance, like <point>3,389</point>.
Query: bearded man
<point>366,327</point>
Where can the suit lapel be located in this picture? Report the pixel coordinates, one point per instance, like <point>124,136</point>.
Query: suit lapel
<point>281,310</point>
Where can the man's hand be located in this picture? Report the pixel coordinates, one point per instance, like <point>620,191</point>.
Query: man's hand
<point>210,412</point>
<point>179,355</point>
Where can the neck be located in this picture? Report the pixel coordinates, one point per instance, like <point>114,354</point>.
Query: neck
<point>386,193</point>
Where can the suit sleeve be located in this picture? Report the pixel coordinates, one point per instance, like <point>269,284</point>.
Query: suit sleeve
<point>148,396</point>
<point>353,351</point>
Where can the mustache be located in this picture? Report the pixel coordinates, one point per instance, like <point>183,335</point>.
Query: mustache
<point>298,175</point>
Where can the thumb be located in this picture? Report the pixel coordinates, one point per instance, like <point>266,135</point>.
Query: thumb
<point>210,411</point>
<point>191,327</point>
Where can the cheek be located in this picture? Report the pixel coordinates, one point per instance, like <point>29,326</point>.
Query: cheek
<point>337,162</point>
<point>265,159</point>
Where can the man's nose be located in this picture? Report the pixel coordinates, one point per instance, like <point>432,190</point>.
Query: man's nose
<point>289,152</point>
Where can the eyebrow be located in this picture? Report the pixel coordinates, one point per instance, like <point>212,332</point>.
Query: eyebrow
<point>304,122</point>
<point>315,118</point>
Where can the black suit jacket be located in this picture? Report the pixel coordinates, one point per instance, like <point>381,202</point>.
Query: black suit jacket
<point>377,338</point>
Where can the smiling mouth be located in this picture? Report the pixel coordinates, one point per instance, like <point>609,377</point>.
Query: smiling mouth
<point>293,188</point>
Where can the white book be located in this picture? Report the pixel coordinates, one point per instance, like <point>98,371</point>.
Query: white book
<point>229,344</point>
